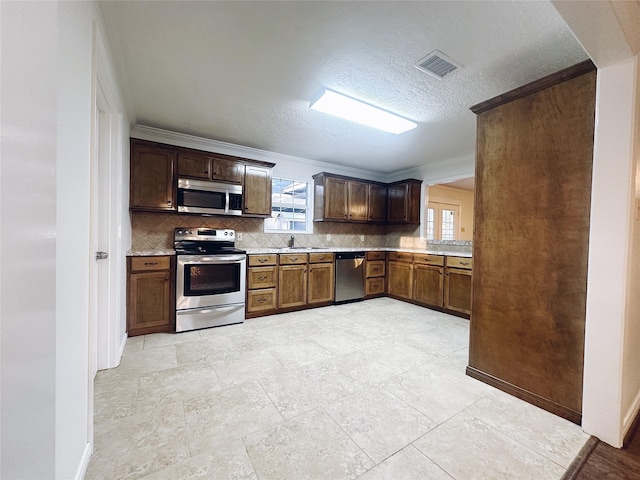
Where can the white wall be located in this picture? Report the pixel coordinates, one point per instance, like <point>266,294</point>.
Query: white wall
<point>80,26</point>
<point>609,248</point>
<point>631,348</point>
<point>611,392</point>
<point>72,249</point>
<point>27,239</point>
<point>47,76</point>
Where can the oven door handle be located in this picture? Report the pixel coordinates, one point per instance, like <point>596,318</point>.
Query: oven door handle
<point>208,260</point>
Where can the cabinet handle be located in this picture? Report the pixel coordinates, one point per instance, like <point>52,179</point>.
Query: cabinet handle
<point>321,258</point>
<point>262,278</point>
<point>151,263</point>
<point>293,259</point>
<point>261,300</point>
<point>262,260</point>
<point>464,263</point>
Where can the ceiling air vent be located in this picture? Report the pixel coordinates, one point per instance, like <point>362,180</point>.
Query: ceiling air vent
<point>437,64</point>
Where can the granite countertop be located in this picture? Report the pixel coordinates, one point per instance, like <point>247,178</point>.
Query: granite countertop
<point>258,251</point>
<point>262,251</point>
<point>150,253</point>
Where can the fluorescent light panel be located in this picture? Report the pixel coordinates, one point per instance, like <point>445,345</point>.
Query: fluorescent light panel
<point>348,108</point>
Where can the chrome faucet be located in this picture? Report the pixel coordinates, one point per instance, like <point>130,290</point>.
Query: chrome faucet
<point>292,241</point>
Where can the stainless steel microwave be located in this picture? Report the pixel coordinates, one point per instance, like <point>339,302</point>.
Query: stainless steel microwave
<point>206,197</point>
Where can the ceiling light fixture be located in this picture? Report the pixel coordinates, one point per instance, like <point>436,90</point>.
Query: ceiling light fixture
<point>348,108</point>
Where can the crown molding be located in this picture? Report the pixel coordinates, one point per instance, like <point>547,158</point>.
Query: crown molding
<point>153,134</point>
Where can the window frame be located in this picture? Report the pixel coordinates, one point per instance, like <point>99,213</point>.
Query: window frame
<point>308,208</point>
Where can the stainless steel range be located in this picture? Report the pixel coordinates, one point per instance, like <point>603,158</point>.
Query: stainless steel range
<point>211,278</point>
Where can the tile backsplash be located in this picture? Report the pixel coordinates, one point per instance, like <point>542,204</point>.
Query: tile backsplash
<point>154,231</point>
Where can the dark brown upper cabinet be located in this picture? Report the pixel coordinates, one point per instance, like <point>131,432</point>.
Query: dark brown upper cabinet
<point>403,201</point>
<point>152,185</point>
<point>346,199</point>
<point>156,167</point>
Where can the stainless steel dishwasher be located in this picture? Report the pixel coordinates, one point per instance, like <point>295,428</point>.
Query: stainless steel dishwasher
<point>349,276</point>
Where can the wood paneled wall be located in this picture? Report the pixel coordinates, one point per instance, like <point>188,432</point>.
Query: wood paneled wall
<point>533,190</point>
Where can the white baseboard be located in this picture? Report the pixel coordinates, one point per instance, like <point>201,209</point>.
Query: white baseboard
<point>123,344</point>
<point>84,464</point>
<point>630,415</point>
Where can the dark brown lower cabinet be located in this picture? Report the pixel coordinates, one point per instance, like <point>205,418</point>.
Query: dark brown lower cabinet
<point>292,290</point>
<point>400,278</point>
<point>150,295</point>
<point>321,281</point>
<point>457,290</point>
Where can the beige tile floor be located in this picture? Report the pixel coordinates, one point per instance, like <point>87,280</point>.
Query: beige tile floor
<point>370,390</point>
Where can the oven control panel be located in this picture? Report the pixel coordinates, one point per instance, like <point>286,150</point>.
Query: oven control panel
<point>204,234</point>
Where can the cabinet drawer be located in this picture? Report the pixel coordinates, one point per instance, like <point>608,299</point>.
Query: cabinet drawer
<point>376,255</point>
<point>259,300</point>
<point>374,286</point>
<point>460,262</point>
<point>321,258</point>
<point>261,277</point>
<point>375,268</point>
<point>428,259</point>
<point>258,260</point>
<point>400,256</point>
<point>142,264</point>
<point>293,259</point>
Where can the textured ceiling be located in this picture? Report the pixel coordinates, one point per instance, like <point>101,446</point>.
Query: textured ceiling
<point>244,72</point>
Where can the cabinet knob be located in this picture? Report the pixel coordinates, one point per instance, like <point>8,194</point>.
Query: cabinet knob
<point>262,278</point>
<point>261,300</point>
<point>169,202</point>
<point>166,279</point>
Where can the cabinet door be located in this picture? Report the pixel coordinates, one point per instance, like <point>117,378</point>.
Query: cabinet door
<point>335,198</point>
<point>321,280</point>
<point>400,279</point>
<point>193,165</point>
<point>227,170</point>
<point>149,303</point>
<point>377,203</point>
<point>397,196</point>
<point>292,286</point>
<point>457,290</point>
<point>151,185</point>
<point>357,201</point>
<point>257,190</point>
<point>403,202</point>
<point>428,284</point>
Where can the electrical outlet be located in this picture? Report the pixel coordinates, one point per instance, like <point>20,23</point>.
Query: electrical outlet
<point>328,237</point>
<point>239,236</point>
<point>362,238</point>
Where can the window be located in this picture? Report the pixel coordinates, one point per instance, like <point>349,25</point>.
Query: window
<point>289,207</point>
<point>442,221</point>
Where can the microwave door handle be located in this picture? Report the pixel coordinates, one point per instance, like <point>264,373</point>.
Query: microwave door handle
<point>226,201</point>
